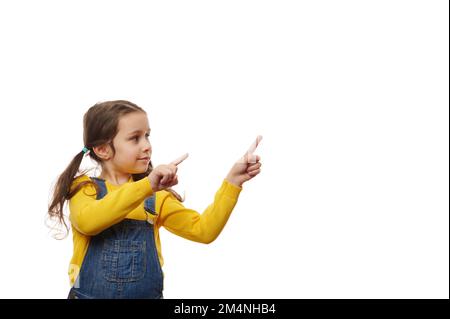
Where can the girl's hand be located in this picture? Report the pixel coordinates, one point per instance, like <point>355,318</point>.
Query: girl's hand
<point>247,167</point>
<point>164,176</point>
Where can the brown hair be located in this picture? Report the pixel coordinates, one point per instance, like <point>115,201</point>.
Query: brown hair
<point>100,126</point>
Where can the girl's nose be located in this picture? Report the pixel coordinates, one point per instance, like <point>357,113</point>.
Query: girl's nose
<point>148,147</point>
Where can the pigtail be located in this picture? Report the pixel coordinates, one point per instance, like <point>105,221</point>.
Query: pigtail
<point>63,192</point>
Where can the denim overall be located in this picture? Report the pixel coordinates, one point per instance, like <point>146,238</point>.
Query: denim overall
<point>121,261</point>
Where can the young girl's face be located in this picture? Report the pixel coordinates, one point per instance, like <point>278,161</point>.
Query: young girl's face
<point>132,144</point>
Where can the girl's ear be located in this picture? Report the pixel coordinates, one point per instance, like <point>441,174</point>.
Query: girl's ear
<point>103,151</point>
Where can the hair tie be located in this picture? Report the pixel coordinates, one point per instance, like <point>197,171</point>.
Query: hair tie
<point>85,150</point>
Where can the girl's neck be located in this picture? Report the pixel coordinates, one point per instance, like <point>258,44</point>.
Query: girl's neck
<point>115,179</point>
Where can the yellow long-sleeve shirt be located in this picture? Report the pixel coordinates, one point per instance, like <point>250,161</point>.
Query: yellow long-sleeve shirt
<point>89,216</point>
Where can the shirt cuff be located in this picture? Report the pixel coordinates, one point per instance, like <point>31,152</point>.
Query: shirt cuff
<point>230,190</point>
<point>145,187</point>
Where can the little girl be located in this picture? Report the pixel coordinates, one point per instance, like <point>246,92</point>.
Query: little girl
<point>116,216</point>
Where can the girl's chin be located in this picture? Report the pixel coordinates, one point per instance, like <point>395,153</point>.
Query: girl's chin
<point>140,169</point>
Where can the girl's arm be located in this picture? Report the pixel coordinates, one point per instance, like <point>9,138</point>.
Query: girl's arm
<point>189,224</point>
<point>90,216</point>
<point>206,227</point>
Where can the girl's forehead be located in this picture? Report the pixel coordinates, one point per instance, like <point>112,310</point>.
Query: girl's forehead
<point>136,121</point>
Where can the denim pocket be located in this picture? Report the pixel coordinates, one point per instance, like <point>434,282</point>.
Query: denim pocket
<point>123,260</point>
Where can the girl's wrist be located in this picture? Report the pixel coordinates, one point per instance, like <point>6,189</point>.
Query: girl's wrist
<point>234,182</point>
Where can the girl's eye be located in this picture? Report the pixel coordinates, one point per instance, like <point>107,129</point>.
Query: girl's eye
<point>136,138</point>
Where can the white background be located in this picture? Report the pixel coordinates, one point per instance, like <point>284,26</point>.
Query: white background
<point>351,98</point>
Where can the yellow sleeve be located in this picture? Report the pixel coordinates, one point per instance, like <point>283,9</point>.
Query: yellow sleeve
<point>189,224</point>
<point>90,216</point>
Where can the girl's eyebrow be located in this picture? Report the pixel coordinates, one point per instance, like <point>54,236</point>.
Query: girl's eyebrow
<point>137,131</point>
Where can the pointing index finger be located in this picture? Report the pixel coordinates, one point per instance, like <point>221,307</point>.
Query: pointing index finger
<point>179,159</point>
<point>254,145</point>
